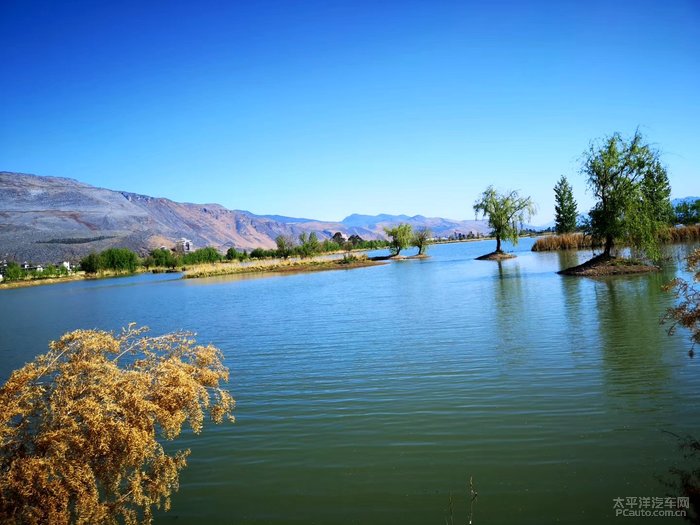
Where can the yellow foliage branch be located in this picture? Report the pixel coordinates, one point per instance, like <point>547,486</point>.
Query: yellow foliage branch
<point>80,425</point>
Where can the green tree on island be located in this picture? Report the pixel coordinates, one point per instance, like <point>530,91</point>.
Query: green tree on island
<point>13,271</point>
<point>90,263</point>
<point>656,191</point>
<point>565,212</point>
<point>309,244</point>
<point>285,246</point>
<point>118,259</point>
<point>164,258</point>
<point>208,254</point>
<point>505,213</point>
<point>234,255</point>
<point>632,191</point>
<point>421,239</point>
<point>687,212</point>
<point>399,237</point>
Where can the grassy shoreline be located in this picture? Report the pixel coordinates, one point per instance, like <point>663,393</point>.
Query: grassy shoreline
<point>277,266</point>
<point>23,283</point>
<point>546,243</point>
<point>75,276</point>
<point>213,270</point>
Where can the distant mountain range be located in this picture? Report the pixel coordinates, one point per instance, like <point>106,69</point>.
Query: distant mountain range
<point>689,200</point>
<point>49,219</point>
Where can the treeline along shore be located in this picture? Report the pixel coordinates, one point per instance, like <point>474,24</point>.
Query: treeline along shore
<point>306,254</point>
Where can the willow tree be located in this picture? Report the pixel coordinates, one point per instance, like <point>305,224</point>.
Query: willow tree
<point>399,237</point>
<point>81,426</point>
<point>421,239</point>
<point>632,191</point>
<point>505,213</point>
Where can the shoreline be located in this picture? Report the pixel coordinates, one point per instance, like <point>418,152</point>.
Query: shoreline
<point>76,276</point>
<point>288,267</point>
<point>603,266</point>
<point>212,270</point>
<point>25,283</point>
<point>266,266</point>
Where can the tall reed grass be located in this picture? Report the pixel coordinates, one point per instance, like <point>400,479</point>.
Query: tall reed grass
<point>567,241</point>
<point>682,234</point>
<point>579,241</point>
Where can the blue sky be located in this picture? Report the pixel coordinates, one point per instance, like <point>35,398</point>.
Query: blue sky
<point>322,109</point>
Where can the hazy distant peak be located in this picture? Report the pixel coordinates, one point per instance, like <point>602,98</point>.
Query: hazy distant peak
<point>357,219</point>
<point>689,200</point>
<point>284,219</point>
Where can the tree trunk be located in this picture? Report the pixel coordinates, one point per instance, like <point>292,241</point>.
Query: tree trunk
<point>608,245</point>
<point>498,243</point>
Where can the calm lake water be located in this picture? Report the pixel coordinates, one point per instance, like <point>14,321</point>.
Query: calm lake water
<point>368,396</point>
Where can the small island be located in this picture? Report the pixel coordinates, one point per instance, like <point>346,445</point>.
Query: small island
<point>632,191</point>
<point>603,265</point>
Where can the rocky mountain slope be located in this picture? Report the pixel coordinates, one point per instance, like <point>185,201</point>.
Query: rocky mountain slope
<point>48,219</point>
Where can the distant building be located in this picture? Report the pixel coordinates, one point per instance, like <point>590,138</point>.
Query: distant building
<point>184,246</point>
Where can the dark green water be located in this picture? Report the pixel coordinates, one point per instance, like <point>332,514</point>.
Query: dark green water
<point>368,396</point>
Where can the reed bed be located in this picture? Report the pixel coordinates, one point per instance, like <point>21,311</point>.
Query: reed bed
<point>579,241</point>
<point>682,234</point>
<point>567,241</point>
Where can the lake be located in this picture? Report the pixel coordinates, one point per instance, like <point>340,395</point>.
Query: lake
<point>371,395</point>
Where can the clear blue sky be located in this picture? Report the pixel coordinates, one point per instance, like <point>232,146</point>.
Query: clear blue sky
<point>322,109</point>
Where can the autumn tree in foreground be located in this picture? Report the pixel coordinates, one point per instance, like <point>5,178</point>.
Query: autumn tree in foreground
<point>80,425</point>
<point>687,315</point>
<point>687,312</point>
